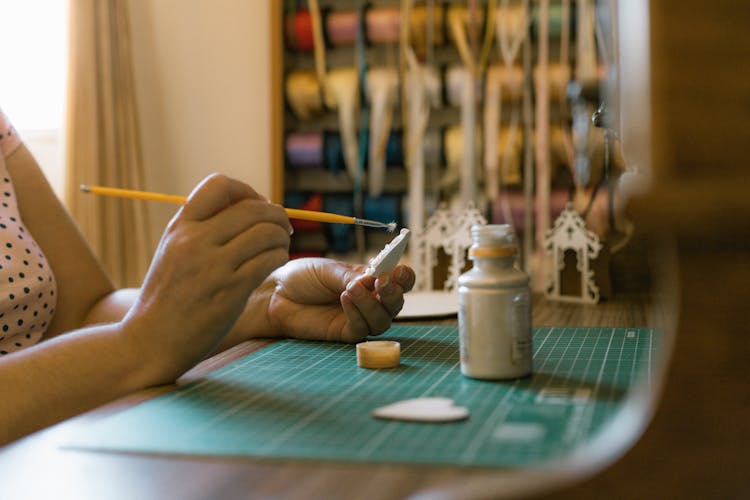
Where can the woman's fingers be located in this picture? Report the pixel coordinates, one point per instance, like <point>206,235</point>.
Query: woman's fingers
<point>253,242</point>
<point>391,288</point>
<point>370,305</point>
<point>370,310</point>
<point>234,220</point>
<point>215,193</point>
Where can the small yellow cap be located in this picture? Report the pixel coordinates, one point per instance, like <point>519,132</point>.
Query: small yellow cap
<point>378,354</point>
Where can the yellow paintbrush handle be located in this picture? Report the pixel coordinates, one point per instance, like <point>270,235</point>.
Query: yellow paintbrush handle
<point>292,213</point>
<point>295,213</point>
<point>133,194</point>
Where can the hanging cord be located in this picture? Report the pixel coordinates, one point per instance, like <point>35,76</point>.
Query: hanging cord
<point>320,44</point>
<point>606,48</point>
<point>361,64</point>
<point>456,23</point>
<point>564,108</point>
<point>484,55</point>
<point>511,27</point>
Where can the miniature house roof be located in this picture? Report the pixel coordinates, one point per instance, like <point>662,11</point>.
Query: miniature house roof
<point>569,232</point>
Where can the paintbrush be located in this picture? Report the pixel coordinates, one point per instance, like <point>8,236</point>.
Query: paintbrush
<point>292,213</point>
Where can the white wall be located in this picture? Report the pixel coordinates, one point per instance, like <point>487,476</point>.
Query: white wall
<point>202,70</point>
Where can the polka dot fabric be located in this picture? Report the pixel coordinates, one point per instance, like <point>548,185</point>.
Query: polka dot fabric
<point>28,291</point>
<point>9,138</point>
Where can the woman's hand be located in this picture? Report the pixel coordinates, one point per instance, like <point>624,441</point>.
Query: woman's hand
<point>324,299</point>
<point>217,249</point>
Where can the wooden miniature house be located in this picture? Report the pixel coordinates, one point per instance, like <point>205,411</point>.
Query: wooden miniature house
<point>442,246</point>
<point>569,240</point>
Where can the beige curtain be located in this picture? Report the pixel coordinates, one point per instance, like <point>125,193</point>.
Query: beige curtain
<point>103,144</point>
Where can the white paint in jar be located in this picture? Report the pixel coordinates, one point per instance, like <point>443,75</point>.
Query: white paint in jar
<point>494,308</point>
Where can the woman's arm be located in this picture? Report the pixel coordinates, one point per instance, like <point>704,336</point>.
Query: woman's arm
<point>83,285</point>
<point>216,250</point>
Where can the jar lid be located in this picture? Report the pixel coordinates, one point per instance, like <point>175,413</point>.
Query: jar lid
<point>493,240</point>
<point>492,251</point>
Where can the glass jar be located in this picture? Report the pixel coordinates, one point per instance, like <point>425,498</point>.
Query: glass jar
<point>494,308</point>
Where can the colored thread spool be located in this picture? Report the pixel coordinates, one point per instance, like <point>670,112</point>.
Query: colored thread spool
<point>394,150</point>
<point>433,148</point>
<point>333,152</point>
<point>340,236</point>
<point>453,148</point>
<point>312,202</point>
<point>386,208</point>
<point>510,147</point>
<point>383,25</point>
<point>515,199</point>
<point>502,84</point>
<point>303,94</point>
<point>341,27</point>
<point>298,31</point>
<point>304,150</point>
<point>376,354</point>
<point>456,78</point>
<point>558,77</point>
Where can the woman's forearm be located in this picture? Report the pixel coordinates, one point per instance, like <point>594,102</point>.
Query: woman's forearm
<point>112,307</point>
<point>68,375</point>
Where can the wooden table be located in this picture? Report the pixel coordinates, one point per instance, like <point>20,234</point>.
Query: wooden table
<point>35,467</point>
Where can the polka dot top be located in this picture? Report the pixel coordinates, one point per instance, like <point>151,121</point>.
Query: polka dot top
<point>27,286</point>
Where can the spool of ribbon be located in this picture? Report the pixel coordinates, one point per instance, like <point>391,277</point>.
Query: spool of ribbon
<point>386,207</point>
<point>304,150</point>
<point>303,94</point>
<point>454,143</point>
<point>298,31</point>
<point>455,80</point>
<point>508,83</point>
<point>341,27</point>
<point>515,200</point>
<point>340,236</point>
<point>333,152</point>
<point>382,94</point>
<point>510,142</point>
<point>394,151</point>
<point>342,93</point>
<point>383,24</point>
<point>558,77</point>
<point>433,149</point>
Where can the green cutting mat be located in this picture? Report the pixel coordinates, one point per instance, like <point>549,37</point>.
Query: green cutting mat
<point>309,400</point>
